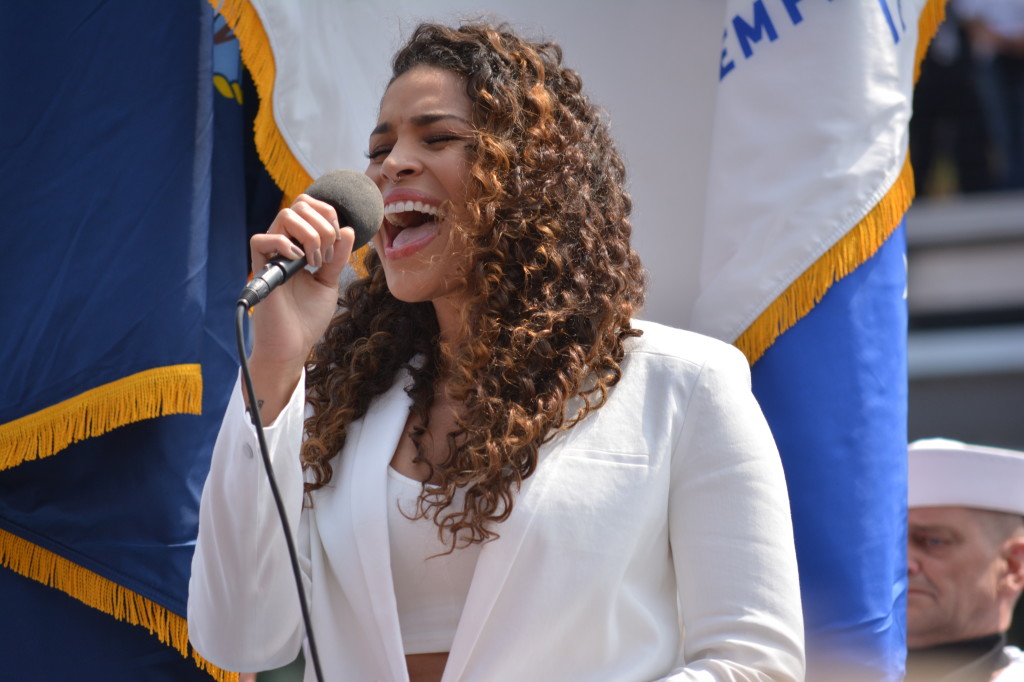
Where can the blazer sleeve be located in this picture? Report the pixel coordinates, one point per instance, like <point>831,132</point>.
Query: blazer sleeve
<point>243,612</point>
<point>732,537</point>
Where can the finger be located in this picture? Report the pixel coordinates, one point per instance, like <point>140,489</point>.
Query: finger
<point>263,247</point>
<point>292,222</point>
<point>323,208</point>
<point>329,273</point>
<point>327,231</point>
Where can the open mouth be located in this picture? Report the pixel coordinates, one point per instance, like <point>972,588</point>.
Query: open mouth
<point>407,223</point>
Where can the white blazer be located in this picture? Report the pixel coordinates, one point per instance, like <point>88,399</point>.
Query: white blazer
<point>653,542</point>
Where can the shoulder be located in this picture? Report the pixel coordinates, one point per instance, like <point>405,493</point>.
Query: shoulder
<point>670,346</point>
<point>671,366</point>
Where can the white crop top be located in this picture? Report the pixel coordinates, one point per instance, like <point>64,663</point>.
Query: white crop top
<point>430,592</point>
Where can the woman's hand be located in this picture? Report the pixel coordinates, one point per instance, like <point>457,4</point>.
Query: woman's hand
<point>296,314</point>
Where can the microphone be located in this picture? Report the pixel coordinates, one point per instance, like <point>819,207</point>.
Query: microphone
<point>358,203</point>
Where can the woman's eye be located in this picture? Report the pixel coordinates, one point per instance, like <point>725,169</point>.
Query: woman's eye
<point>437,139</point>
<point>378,152</point>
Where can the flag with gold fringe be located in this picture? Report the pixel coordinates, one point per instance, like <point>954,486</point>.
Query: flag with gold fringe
<point>125,224</point>
<point>803,268</point>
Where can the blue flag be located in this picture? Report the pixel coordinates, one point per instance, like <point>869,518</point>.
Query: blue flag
<point>125,171</point>
<point>834,390</point>
<point>803,268</point>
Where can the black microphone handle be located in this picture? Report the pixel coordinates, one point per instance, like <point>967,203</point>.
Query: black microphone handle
<point>276,272</point>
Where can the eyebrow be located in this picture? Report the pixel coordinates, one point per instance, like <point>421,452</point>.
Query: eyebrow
<point>933,528</point>
<point>419,121</point>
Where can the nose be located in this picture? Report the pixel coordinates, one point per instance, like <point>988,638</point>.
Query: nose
<point>402,161</point>
<point>913,563</point>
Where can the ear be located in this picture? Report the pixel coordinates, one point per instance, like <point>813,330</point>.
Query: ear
<point>1013,553</point>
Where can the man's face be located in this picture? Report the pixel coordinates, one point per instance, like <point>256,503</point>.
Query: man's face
<point>954,572</point>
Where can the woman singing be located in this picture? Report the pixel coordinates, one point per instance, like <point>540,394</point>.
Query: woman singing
<point>492,470</point>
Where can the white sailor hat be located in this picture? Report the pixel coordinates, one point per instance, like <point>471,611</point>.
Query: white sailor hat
<point>948,473</point>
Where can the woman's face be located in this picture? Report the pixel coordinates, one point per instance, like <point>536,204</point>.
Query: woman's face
<point>418,158</point>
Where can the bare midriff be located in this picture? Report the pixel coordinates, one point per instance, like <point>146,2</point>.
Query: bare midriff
<point>426,667</point>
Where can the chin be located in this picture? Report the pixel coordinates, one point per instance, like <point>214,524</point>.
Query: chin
<point>420,285</point>
<point>406,298</point>
<point>406,291</point>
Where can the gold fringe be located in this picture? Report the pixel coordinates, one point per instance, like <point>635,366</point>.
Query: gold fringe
<point>358,260</point>
<point>273,151</point>
<point>39,564</point>
<point>175,389</point>
<point>932,14</point>
<point>856,246</point>
<point>277,157</point>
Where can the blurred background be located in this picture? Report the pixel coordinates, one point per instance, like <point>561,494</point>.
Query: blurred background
<point>965,232</point>
<point>966,229</point>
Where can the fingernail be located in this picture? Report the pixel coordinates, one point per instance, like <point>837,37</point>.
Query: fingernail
<point>317,259</point>
<point>297,252</point>
<point>329,253</point>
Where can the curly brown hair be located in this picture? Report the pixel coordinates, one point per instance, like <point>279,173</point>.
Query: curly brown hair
<point>551,279</point>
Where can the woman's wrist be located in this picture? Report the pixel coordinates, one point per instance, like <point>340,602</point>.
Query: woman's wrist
<point>274,383</point>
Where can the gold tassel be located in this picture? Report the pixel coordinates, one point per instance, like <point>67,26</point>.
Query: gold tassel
<point>176,389</point>
<point>857,246</point>
<point>43,566</point>
<point>932,14</point>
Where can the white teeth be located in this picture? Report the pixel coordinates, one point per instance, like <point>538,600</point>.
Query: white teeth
<point>404,206</point>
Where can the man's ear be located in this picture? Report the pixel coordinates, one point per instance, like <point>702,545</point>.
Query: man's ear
<point>1013,553</point>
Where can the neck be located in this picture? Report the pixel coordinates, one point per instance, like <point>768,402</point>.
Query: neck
<point>449,322</point>
<point>990,624</point>
<point>970,643</point>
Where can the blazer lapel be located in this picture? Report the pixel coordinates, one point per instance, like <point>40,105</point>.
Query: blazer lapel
<point>497,559</point>
<point>359,551</point>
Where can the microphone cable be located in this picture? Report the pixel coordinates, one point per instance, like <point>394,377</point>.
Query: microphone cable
<point>359,205</point>
<point>241,310</point>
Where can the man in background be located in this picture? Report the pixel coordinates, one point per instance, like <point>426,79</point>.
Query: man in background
<point>965,561</point>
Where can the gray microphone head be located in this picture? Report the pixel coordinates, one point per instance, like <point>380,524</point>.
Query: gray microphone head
<point>356,199</point>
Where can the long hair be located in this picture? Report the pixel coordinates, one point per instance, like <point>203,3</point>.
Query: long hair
<point>550,276</point>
